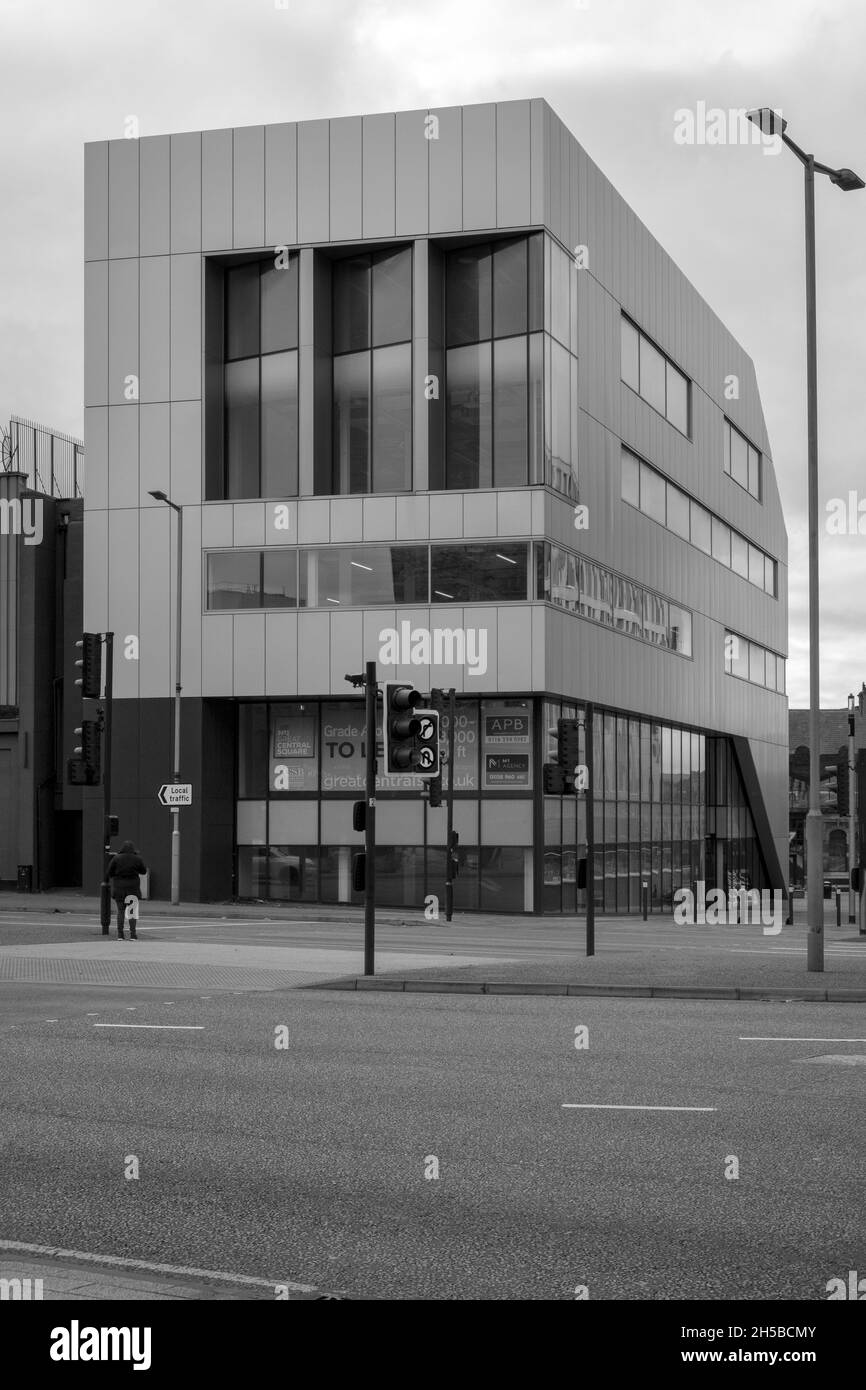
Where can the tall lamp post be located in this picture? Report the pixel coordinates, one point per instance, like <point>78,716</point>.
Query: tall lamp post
<point>175,810</point>
<point>853,857</point>
<point>771,123</point>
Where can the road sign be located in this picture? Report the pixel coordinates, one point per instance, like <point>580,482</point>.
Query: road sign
<point>176,793</point>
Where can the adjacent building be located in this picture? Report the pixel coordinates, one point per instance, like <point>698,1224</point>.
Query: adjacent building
<point>41,481</point>
<point>427,392</point>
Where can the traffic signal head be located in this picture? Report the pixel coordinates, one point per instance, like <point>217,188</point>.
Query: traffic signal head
<point>359,815</point>
<point>427,742</point>
<point>90,663</point>
<point>435,786</point>
<point>359,872</point>
<point>84,769</point>
<point>555,783</point>
<point>401,727</point>
<point>568,745</point>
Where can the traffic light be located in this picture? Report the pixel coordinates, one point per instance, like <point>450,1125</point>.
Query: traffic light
<point>427,742</point>
<point>554,780</point>
<point>90,662</point>
<point>568,746</point>
<point>438,700</point>
<point>435,790</point>
<point>452,852</point>
<point>359,872</point>
<point>84,769</point>
<point>401,727</point>
<point>359,815</point>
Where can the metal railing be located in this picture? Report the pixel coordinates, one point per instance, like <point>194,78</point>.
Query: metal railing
<point>52,461</point>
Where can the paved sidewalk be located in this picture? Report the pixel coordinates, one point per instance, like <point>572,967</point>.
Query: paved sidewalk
<point>74,1276</point>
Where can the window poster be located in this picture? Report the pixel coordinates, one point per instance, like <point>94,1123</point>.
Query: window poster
<point>293,761</point>
<point>507,745</point>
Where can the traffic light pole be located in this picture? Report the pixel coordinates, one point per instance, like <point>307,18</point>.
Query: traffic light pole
<point>371,690</point>
<point>590,833</point>
<point>449,862</point>
<point>105,891</point>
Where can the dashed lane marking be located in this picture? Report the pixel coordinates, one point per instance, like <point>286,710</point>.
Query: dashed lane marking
<point>639,1107</point>
<point>165,1027</point>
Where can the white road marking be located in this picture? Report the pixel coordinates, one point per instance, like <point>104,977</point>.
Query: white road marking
<point>638,1107</point>
<point>122,1263</point>
<point>51,1020</point>
<point>849,1059</point>
<point>804,1040</point>
<point>166,1027</point>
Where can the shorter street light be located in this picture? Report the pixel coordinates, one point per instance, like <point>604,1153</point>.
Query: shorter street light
<point>175,810</point>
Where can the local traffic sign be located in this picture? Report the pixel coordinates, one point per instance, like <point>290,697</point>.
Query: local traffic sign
<point>176,793</point>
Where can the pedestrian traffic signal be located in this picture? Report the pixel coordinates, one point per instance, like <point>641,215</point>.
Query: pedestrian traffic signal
<point>401,727</point>
<point>359,815</point>
<point>90,663</point>
<point>842,783</point>
<point>435,790</point>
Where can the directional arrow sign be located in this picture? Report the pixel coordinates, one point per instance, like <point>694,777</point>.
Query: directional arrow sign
<point>176,793</point>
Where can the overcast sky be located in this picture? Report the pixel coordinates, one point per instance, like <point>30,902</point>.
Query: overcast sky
<point>616,71</point>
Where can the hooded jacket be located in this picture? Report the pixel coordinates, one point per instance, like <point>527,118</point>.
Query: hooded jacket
<point>124,869</point>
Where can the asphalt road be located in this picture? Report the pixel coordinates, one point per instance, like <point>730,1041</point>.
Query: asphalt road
<point>307,1163</point>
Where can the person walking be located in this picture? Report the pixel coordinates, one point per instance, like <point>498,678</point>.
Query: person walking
<point>123,875</point>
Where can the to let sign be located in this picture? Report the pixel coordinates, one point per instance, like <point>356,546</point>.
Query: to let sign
<point>176,793</point>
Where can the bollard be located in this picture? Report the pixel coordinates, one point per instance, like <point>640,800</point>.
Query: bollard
<point>644,899</point>
<point>838,907</point>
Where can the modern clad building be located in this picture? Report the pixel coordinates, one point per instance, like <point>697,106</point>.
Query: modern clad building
<point>427,392</point>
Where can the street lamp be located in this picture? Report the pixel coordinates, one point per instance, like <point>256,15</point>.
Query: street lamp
<point>175,810</point>
<point>771,123</point>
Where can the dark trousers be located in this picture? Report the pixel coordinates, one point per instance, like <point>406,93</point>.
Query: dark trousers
<point>120,899</point>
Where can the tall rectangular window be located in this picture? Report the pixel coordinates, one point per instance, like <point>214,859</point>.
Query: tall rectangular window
<point>742,461</point>
<point>260,380</point>
<point>653,376</point>
<point>372,368</point>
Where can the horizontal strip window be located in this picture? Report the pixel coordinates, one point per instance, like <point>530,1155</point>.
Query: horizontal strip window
<point>651,493</point>
<point>368,576</point>
<point>655,378</point>
<point>590,591</point>
<point>742,461</point>
<point>752,662</point>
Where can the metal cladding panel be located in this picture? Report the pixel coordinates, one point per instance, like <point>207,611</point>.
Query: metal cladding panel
<point>514,645</point>
<point>186,192</point>
<point>155,321</point>
<point>375,624</point>
<point>96,453</point>
<point>446,515</point>
<point>154,447</point>
<point>281,655</point>
<point>413,518</point>
<point>537,171</point>
<point>376,638</point>
<point>479,167</point>
<point>281,184</point>
<point>379,184</point>
<point>347,647</point>
<point>249,654</point>
<point>314,521</point>
<point>154,155</point>
<point>186,486</point>
<point>380,518</point>
<point>345,178</point>
<point>314,651</point>
<point>96,333</point>
<point>123,488</point>
<point>96,201</point>
<point>249,186</point>
<point>513,178</point>
<point>123,198</point>
<point>479,514</point>
<point>446,172</point>
<point>412,157</point>
<point>123,591</point>
<point>281,522</point>
<point>216,190</point>
<point>346,520</point>
<point>313,181</point>
<point>514,513</point>
<point>96,571</point>
<point>507,822</point>
<point>123,294</point>
<point>186,328</point>
<point>216,655</point>
<point>217,525</point>
<point>249,523</point>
